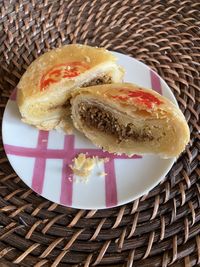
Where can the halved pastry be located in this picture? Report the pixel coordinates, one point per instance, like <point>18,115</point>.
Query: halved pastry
<point>125,118</point>
<point>45,88</point>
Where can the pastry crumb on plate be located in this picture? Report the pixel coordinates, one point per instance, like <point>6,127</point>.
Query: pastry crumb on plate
<point>82,166</point>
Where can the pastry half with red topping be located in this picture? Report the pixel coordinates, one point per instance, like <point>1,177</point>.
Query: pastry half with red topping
<point>45,88</point>
<point>125,118</point>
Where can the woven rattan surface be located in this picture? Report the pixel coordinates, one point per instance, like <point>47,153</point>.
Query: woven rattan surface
<point>159,229</point>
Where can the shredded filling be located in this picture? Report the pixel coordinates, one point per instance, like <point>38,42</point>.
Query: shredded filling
<point>95,117</point>
<point>105,79</point>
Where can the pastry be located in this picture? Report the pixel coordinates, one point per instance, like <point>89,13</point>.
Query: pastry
<point>45,88</point>
<point>125,118</point>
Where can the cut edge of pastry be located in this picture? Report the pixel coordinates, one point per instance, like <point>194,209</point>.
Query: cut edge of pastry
<point>130,129</point>
<point>42,98</point>
<point>46,115</point>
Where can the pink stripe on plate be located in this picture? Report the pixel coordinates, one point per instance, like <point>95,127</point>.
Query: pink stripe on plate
<point>155,82</point>
<point>66,194</point>
<point>110,184</point>
<point>34,152</point>
<point>13,96</point>
<point>60,153</point>
<point>40,163</point>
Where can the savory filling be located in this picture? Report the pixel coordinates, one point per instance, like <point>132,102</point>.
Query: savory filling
<point>95,117</point>
<point>105,79</point>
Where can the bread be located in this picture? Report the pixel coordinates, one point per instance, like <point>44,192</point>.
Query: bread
<point>125,118</point>
<point>45,88</point>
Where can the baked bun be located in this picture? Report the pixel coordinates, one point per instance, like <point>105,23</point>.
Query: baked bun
<point>45,88</point>
<point>125,118</point>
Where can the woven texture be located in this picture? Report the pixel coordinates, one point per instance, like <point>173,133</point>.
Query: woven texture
<point>159,229</point>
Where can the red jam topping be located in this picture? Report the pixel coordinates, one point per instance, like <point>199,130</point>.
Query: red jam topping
<point>139,96</point>
<point>58,72</point>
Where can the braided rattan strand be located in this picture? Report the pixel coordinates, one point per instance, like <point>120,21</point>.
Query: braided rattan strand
<point>160,229</point>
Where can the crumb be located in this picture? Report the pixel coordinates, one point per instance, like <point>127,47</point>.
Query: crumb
<point>70,179</point>
<point>83,166</point>
<point>106,160</point>
<point>102,174</point>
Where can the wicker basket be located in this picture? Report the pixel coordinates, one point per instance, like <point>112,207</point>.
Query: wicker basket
<point>159,229</point>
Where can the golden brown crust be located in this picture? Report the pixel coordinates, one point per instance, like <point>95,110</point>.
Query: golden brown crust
<point>149,122</point>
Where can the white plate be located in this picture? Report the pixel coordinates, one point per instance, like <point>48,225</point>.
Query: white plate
<point>40,158</point>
